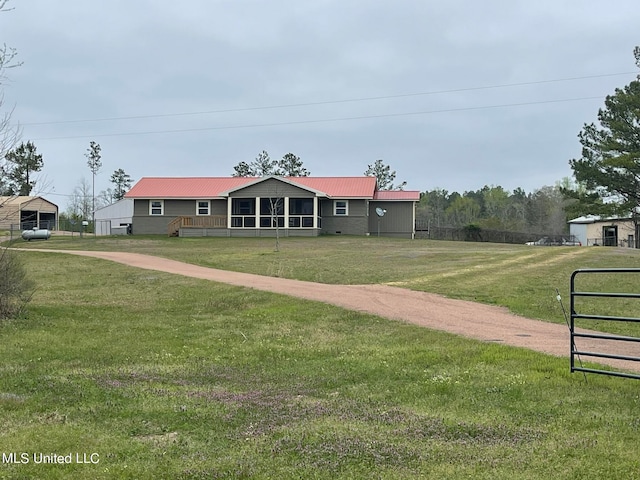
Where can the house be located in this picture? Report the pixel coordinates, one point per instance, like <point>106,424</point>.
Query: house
<point>609,231</point>
<point>114,219</point>
<point>26,212</point>
<point>288,206</point>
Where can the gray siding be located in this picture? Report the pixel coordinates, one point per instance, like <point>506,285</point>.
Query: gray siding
<point>272,188</point>
<point>218,207</point>
<point>140,208</point>
<point>145,224</point>
<point>150,225</point>
<point>177,208</point>
<point>397,222</point>
<point>355,223</point>
<point>344,225</point>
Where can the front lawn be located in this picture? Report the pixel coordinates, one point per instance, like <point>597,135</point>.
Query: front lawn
<point>162,376</point>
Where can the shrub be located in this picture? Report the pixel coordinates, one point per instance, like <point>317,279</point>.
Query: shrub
<point>472,233</point>
<point>16,288</point>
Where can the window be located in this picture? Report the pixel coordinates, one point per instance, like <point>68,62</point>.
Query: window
<point>341,207</point>
<point>301,212</point>
<point>271,212</point>
<point>269,204</point>
<point>301,206</point>
<point>156,207</point>
<point>305,222</point>
<point>243,206</point>
<point>243,211</point>
<point>203,207</point>
<point>246,222</point>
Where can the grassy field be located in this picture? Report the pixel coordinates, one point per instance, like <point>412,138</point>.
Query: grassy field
<point>521,278</point>
<point>160,376</point>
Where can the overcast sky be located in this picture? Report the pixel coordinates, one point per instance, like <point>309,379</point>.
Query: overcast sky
<point>454,95</point>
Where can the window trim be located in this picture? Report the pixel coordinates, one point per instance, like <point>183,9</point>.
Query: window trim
<point>151,208</point>
<point>345,207</point>
<point>208,202</point>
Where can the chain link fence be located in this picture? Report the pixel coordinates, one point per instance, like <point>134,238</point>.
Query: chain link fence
<point>473,233</point>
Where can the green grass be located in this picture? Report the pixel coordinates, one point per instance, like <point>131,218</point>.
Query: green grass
<point>522,278</point>
<point>170,377</point>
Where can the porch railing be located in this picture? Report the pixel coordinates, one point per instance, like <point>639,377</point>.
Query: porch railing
<point>208,221</point>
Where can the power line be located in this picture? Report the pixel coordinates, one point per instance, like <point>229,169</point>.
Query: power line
<point>328,120</point>
<point>328,102</point>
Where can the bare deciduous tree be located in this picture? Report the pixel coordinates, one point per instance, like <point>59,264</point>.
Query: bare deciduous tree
<point>15,287</point>
<point>81,201</point>
<point>9,133</point>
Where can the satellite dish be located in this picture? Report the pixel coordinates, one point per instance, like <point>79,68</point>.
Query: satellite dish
<point>380,211</point>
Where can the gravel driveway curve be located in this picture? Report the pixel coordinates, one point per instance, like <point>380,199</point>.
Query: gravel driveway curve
<point>469,319</point>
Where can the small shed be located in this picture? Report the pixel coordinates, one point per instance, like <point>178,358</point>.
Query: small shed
<point>26,212</point>
<point>115,219</point>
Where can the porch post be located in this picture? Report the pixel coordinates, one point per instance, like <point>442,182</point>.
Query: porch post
<point>315,212</point>
<point>286,212</point>
<point>257,208</point>
<point>413,223</point>
<point>229,202</point>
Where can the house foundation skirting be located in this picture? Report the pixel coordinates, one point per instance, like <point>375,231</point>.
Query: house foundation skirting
<point>248,232</point>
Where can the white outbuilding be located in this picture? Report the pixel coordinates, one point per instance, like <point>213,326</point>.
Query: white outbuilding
<point>115,219</point>
<point>606,231</point>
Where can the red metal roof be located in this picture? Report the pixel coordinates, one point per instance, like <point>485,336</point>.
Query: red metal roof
<point>397,195</point>
<point>184,187</point>
<point>342,187</point>
<point>213,187</point>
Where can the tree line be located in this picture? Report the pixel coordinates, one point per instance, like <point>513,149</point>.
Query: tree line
<point>494,208</point>
<point>290,165</point>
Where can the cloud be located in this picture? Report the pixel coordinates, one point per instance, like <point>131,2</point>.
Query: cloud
<point>160,63</point>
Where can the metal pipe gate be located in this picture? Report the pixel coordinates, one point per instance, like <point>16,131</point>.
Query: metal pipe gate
<point>601,336</point>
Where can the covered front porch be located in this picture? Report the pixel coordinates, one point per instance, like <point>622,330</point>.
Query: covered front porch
<point>194,226</point>
<point>249,217</point>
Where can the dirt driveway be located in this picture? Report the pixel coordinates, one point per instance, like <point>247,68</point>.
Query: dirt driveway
<point>468,319</point>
